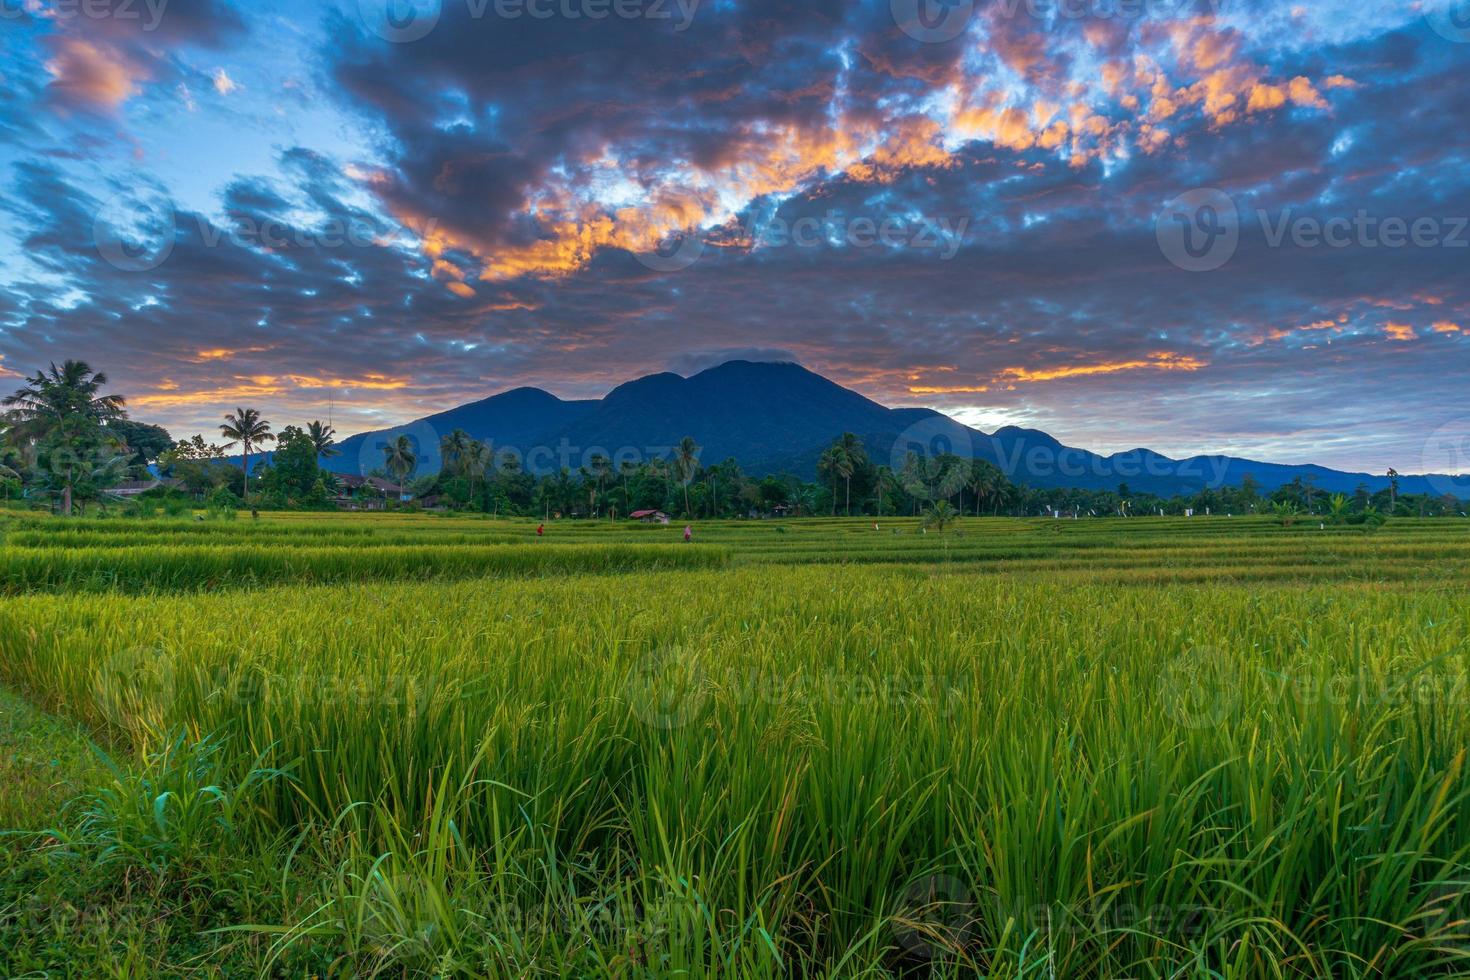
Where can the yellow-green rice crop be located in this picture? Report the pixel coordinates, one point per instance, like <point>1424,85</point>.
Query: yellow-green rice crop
<point>1033,749</point>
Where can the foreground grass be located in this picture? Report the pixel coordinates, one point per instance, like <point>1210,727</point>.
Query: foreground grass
<point>914,767</point>
<point>70,908</point>
<point>44,762</point>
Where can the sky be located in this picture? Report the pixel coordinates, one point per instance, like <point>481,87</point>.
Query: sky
<point>1193,225</point>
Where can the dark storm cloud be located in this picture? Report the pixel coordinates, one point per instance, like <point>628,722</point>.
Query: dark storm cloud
<point>522,162</point>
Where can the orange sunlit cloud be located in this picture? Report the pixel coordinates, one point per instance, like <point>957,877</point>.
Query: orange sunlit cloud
<point>86,74</point>
<point>226,353</point>
<point>1399,331</point>
<point>368,382</point>
<point>176,398</point>
<point>1159,361</point>
<point>942,390</point>
<point>1048,112</point>
<point>168,394</point>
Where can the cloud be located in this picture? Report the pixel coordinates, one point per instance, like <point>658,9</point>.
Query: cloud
<point>105,52</point>
<point>692,362</point>
<point>506,172</point>
<point>87,76</point>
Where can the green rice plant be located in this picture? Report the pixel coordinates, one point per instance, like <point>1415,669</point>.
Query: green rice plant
<point>189,567</point>
<point>175,809</point>
<point>1155,748</point>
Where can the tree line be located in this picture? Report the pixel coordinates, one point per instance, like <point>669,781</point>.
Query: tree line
<point>66,442</point>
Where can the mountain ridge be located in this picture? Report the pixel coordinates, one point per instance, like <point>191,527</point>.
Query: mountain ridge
<point>778,416</point>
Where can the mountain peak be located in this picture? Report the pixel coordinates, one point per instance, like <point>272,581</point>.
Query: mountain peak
<point>743,366</point>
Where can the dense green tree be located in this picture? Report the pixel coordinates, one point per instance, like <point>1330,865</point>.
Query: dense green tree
<point>144,442</point>
<point>294,470</point>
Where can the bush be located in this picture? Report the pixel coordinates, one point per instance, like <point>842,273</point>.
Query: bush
<point>178,810</point>
<point>222,504</point>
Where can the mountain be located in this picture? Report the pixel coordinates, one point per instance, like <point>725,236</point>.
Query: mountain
<point>523,416</point>
<point>778,417</point>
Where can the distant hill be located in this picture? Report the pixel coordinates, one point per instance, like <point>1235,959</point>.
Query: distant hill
<point>776,417</point>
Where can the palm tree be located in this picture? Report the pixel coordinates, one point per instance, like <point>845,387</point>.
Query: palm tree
<point>478,458</point>
<point>940,514</point>
<point>601,466</point>
<point>584,476</point>
<point>883,482</point>
<point>804,498</point>
<point>832,461</point>
<point>246,427</point>
<point>65,408</point>
<point>628,467</point>
<point>687,458</point>
<point>400,458</point>
<point>452,448</point>
<point>981,480</point>
<point>49,397</point>
<point>1286,511</point>
<point>855,457</point>
<point>1393,490</point>
<point>324,438</point>
<point>6,473</point>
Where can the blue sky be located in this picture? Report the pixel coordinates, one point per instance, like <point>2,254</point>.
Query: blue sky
<point>1193,225</point>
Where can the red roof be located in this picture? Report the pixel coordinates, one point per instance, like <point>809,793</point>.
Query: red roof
<point>643,513</point>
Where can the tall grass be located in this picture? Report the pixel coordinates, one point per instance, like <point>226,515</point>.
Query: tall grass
<point>169,567</point>
<point>825,771</point>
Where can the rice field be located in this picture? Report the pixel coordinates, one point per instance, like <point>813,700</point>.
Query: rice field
<point>1215,747</point>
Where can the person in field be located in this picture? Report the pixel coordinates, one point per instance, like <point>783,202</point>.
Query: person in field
<point>688,533</point>
<point>540,530</point>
